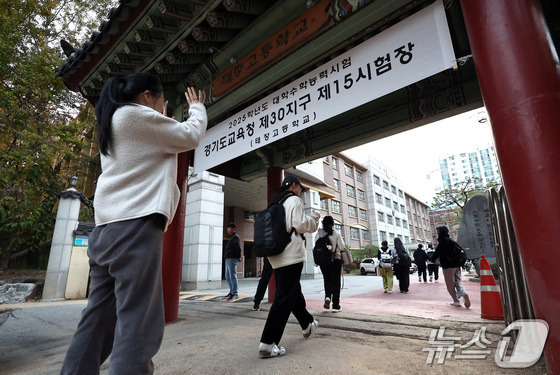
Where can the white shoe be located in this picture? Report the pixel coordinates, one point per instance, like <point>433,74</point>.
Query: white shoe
<point>390,291</point>
<point>271,350</point>
<point>310,329</point>
<point>455,304</point>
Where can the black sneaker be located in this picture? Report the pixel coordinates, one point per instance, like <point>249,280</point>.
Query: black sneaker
<point>256,306</point>
<point>228,296</point>
<point>232,297</point>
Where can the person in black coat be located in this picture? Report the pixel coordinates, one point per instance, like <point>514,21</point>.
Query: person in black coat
<point>403,265</point>
<point>420,258</point>
<point>451,267</point>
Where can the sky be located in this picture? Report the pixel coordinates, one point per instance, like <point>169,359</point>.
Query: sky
<point>420,149</point>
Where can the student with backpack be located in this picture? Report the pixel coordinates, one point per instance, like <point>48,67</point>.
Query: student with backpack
<point>403,265</point>
<point>331,269</point>
<point>287,266</point>
<point>386,261</point>
<point>452,259</point>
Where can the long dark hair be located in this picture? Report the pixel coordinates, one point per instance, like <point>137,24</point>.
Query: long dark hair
<point>401,250</point>
<point>117,92</point>
<point>328,224</point>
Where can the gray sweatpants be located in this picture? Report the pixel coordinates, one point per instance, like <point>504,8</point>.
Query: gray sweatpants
<point>124,316</point>
<point>453,283</point>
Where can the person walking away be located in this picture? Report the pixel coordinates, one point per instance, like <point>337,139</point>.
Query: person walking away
<point>135,200</point>
<point>420,258</point>
<point>233,257</point>
<point>433,267</point>
<point>451,267</point>
<point>287,269</point>
<point>263,284</point>
<point>403,259</point>
<point>386,262</point>
<point>332,271</point>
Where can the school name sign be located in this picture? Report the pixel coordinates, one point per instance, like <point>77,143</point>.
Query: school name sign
<point>412,50</point>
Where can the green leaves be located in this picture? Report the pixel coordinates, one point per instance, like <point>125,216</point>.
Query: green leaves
<point>44,128</point>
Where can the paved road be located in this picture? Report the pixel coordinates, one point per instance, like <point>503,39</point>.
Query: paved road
<point>221,338</point>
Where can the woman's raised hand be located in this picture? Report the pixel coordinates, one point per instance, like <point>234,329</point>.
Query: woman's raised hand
<point>191,96</point>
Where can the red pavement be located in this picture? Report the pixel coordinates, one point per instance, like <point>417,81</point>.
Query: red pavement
<point>425,300</point>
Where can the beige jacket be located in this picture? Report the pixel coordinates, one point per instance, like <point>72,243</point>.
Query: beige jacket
<point>336,242</point>
<point>140,173</point>
<point>295,218</point>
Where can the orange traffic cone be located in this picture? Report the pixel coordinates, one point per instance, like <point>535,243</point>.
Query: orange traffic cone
<point>490,296</point>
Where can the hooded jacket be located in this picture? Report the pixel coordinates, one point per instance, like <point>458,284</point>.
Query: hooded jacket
<point>335,240</point>
<point>444,250</point>
<point>420,257</point>
<point>301,223</point>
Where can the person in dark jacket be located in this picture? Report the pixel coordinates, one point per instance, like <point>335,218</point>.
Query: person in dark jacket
<point>403,265</point>
<point>451,267</point>
<point>263,284</point>
<point>233,257</point>
<point>433,267</point>
<point>420,258</point>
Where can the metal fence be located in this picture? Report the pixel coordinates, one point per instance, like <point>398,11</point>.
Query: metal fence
<point>515,294</point>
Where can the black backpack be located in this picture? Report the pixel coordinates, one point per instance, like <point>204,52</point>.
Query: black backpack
<point>271,237</point>
<point>459,254</point>
<point>321,253</point>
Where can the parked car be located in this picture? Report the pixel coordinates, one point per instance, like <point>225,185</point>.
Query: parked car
<point>413,268</point>
<point>369,265</point>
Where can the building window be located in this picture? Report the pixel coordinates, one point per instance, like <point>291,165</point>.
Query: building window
<point>376,180</point>
<point>395,206</point>
<point>391,236</point>
<point>385,185</point>
<point>365,235</point>
<point>397,222</point>
<point>363,214</point>
<point>336,206</point>
<point>338,228</point>
<point>359,176</point>
<point>379,198</point>
<point>387,202</point>
<point>336,184</point>
<point>394,189</point>
<point>324,205</point>
<point>383,235</point>
<point>380,216</point>
<point>402,209</point>
<point>354,233</point>
<point>389,219</point>
<point>350,191</point>
<point>406,239</point>
<point>404,223</point>
<point>326,159</point>
<point>361,195</point>
<point>335,163</point>
<point>352,211</point>
<point>348,170</point>
<point>401,193</point>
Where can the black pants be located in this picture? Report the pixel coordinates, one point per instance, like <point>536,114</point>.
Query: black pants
<point>263,282</point>
<point>422,272</point>
<point>124,316</point>
<point>331,281</point>
<point>434,268</point>
<point>288,299</point>
<point>404,277</point>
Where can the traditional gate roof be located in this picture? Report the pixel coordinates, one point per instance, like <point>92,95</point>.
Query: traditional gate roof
<point>238,51</point>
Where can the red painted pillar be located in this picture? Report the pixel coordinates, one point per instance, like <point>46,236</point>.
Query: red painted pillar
<point>274,177</point>
<point>519,75</point>
<point>173,246</point>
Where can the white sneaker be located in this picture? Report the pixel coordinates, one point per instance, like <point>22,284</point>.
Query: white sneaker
<point>310,328</point>
<point>455,304</point>
<point>271,350</point>
<point>390,291</point>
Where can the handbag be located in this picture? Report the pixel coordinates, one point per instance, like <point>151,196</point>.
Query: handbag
<point>346,256</point>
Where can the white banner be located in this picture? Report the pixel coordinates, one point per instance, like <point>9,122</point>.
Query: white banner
<point>408,52</point>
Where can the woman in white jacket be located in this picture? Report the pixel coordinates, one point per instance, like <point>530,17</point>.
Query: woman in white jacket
<point>135,200</point>
<point>332,271</point>
<point>287,270</point>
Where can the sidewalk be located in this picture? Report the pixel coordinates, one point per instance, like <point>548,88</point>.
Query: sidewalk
<point>363,294</point>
